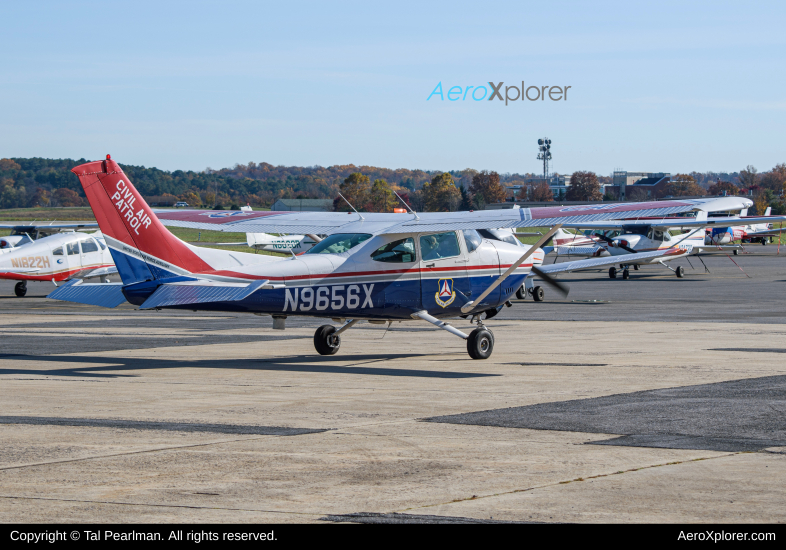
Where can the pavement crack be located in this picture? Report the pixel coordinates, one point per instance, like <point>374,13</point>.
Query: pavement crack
<point>113,455</point>
<point>565,482</point>
<point>161,505</point>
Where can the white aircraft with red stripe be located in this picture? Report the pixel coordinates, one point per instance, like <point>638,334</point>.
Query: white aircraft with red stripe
<point>56,258</point>
<point>371,266</point>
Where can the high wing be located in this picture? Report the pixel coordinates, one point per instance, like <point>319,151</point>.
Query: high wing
<point>766,232</point>
<point>667,254</point>
<point>666,223</point>
<point>41,225</point>
<point>382,223</point>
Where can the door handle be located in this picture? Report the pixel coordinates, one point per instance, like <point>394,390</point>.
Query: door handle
<point>430,265</point>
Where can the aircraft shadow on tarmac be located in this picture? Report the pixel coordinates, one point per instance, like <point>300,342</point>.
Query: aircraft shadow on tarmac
<point>301,363</point>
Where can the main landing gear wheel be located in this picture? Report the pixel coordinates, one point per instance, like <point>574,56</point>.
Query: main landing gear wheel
<point>537,293</point>
<point>680,271</point>
<point>612,272</point>
<point>625,273</point>
<point>324,341</point>
<point>20,289</point>
<point>480,343</point>
<point>764,241</point>
<point>521,293</point>
<point>636,267</point>
<point>736,252</point>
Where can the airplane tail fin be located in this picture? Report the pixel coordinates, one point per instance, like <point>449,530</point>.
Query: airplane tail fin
<point>768,211</point>
<point>142,248</point>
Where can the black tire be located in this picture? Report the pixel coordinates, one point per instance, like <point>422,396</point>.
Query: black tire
<point>521,293</point>
<point>636,267</point>
<point>538,294</point>
<point>736,252</point>
<point>20,289</point>
<point>480,343</point>
<point>764,241</point>
<point>324,341</point>
<point>612,272</point>
<point>680,272</point>
<point>625,274</point>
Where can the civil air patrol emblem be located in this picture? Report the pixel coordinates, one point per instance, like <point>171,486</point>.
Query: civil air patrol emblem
<point>445,296</point>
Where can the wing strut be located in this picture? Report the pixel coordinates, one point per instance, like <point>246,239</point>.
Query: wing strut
<point>466,308</point>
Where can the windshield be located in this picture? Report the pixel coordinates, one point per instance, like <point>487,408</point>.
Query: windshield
<point>498,235</point>
<point>341,242</point>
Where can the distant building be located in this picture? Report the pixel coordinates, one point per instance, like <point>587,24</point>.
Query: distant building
<point>557,183</point>
<point>303,205</point>
<point>652,182</point>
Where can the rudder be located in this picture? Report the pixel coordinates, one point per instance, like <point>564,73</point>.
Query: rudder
<point>142,248</point>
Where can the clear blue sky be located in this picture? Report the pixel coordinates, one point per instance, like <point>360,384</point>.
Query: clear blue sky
<point>660,86</point>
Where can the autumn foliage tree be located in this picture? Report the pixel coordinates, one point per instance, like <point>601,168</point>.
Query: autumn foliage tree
<point>486,185</point>
<point>541,193</point>
<point>723,188</point>
<point>66,197</point>
<point>441,194</point>
<point>355,189</point>
<point>584,186</point>
<point>381,197</point>
<point>683,185</point>
<point>775,179</point>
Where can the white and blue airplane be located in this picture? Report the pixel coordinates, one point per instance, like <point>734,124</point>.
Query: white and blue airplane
<point>374,267</point>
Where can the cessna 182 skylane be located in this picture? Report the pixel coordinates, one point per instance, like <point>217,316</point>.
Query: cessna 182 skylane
<point>375,267</point>
<point>56,258</point>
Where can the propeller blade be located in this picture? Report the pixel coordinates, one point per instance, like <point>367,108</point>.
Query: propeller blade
<point>619,245</point>
<point>551,281</point>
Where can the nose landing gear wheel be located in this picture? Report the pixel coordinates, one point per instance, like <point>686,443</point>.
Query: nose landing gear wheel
<point>537,293</point>
<point>521,293</point>
<point>612,273</point>
<point>480,343</point>
<point>736,252</point>
<point>20,289</point>
<point>324,341</point>
<point>625,273</point>
<point>680,271</point>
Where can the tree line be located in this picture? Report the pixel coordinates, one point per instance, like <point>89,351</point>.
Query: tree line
<point>27,182</point>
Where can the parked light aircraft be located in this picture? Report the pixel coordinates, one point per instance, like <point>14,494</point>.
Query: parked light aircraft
<point>750,232</point>
<point>375,267</point>
<point>55,258</point>
<point>26,233</point>
<point>634,236</point>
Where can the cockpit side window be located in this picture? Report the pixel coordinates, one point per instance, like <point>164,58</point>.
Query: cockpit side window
<point>58,251</point>
<point>88,245</point>
<point>441,245</point>
<point>401,251</point>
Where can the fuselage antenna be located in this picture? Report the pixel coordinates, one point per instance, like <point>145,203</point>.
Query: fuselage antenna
<point>352,207</point>
<point>406,205</point>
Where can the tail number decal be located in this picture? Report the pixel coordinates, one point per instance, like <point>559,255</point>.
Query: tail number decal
<point>31,261</point>
<point>324,297</point>
<point>125,200</point>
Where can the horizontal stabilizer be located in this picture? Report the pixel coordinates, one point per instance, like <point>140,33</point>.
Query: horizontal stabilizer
<point>102,294</point>
<point>187,294</point>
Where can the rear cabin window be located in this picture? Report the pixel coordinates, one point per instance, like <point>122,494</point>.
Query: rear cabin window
<point>402,251</point>
<point>338,243</point>
<point>73,248</point>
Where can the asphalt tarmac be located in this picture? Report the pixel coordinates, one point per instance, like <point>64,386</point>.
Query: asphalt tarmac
<point>653,399</point>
